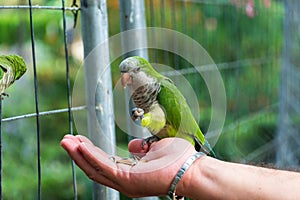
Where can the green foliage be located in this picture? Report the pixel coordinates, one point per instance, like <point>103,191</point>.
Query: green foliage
<point>248,135</point>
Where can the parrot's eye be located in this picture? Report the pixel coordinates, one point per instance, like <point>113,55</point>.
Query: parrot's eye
<point>137,69</point>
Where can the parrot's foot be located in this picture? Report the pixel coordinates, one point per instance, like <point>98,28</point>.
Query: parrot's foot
<point>137,113</point>
<point>3,94</point>
<point>149,140</point>
<point>127,161</point>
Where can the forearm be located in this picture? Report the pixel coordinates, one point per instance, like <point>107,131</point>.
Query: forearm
<point>209,178</point>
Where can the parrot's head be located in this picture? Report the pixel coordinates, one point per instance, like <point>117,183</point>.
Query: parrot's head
<point>136,71</point>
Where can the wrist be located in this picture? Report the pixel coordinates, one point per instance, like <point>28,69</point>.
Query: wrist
<point>190,177</point>
<point>197,182</point>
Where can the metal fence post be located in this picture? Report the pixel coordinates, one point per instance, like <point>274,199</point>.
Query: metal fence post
<point>132,15</point>
<point>99,98</point>
<point>289,106</point>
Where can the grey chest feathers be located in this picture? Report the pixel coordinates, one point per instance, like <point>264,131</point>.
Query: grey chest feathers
<point>145,95</point>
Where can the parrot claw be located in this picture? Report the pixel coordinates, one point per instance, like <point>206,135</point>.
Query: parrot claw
<point>149,141</point>
<point>3,94</point>
<point>137,113</point>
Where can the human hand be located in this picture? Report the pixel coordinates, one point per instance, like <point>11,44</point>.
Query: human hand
<point>151,176</point>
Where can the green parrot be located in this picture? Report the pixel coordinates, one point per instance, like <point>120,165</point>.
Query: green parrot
<point>12,67</point>
<point>160,105</point>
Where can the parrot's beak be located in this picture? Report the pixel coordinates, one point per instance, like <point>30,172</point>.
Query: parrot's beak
<point>126,79</point>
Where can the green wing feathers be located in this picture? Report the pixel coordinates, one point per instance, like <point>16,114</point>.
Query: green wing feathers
<point>178,112</point>
<point>12,67</point>
<point>15,62</point>
<point>18,65</point>
<point>180,118</point>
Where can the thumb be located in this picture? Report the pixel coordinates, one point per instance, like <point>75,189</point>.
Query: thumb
<point>135,147</point>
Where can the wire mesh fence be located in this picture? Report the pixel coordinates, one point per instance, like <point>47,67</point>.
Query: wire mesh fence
<point>25,42</point>
<point>244,38</point>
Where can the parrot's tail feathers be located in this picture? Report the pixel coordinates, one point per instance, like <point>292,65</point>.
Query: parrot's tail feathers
<point>206,148</point>
<point>210,150</point>
<point>198,145</point>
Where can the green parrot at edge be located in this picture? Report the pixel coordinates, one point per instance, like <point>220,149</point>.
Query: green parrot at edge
<point>160,105</point>
<point>12,67</point>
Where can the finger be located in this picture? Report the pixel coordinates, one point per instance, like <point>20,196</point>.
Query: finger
<point>100,161</point>
<point>84,139</point>
<point>135,147</point>
<point>76,139</point>
<point>106,171</point>
<point>79,138</point>
<point>71,145</point>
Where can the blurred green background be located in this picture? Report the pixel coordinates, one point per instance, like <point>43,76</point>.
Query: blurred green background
<point>244,40</point>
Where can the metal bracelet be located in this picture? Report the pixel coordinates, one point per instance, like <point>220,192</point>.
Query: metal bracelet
<point>180,173</point>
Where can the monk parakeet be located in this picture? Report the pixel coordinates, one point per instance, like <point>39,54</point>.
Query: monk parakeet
<point>12,67</point>
<point>160,105</point>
